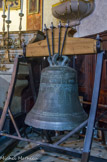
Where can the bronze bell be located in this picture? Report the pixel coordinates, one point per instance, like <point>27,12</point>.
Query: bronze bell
<point>57,106</point>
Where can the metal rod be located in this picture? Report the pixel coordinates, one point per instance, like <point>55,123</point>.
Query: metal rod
<point>59,26</point>
<point>101,116</point>
<point>67,25</point>
<point>19,138</point>
<point>94,105</point>
<point>103,129</point>
<point>69,151</point>
<point>52,28</point>
<point>14,123</point>
<point>47,40</point>
<point>89,103</point>
<point>74,62</point>
<point>32,81</point>
<point>52,148</point>
<point>71,133</point>
<point>61,149</point>
<point>10,93</point>
<point>40,143</point>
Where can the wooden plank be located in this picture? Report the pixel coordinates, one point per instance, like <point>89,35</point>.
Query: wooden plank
<point>73,46</point>
<point>56,32</point>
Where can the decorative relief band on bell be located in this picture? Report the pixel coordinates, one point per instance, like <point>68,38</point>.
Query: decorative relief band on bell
<point>73,88</point>
<point>58,81</point>
<point>49,114</point>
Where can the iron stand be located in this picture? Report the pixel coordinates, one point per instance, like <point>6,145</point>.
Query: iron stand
<point>85,155</point>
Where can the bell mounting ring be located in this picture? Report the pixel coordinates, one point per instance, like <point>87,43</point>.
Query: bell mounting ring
<point>58,61</point>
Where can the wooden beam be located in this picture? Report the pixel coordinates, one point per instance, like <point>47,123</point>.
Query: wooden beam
<point>73,46</point>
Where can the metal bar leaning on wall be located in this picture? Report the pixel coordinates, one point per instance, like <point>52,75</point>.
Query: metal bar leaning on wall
<point>10,93</point>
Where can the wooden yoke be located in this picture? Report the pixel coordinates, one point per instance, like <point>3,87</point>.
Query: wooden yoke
<point>73,46</point>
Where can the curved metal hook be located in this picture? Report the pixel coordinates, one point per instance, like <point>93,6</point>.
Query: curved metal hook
<point>58,61</point>
<point>50,61</point>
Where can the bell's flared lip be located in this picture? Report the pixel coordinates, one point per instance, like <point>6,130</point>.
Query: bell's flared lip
<point>57,126</point>
<point>48,124</point>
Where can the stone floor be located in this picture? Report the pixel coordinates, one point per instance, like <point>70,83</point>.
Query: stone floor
<point>98,150</point>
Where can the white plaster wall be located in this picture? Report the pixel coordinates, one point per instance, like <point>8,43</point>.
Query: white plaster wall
<point>14,17</point>
<point>95,23</point>
<point>47,15</point>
